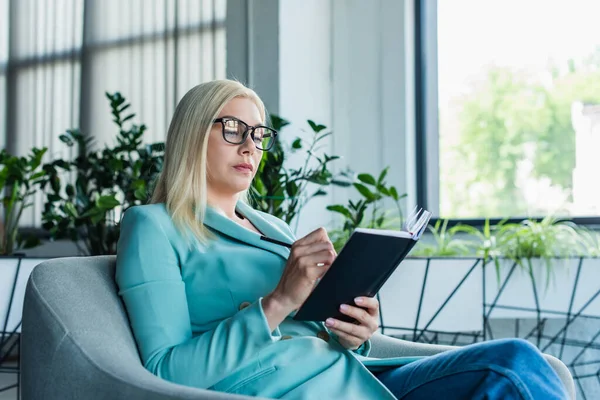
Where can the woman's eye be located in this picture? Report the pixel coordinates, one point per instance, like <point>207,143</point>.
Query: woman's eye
<point>232,133</point>
<point>258,136</point>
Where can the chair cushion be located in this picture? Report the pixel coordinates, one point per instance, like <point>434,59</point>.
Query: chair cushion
<point>76,339</point>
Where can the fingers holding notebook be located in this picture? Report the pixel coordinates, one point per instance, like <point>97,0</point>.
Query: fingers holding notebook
<point>366,317</point>
<point>310,257</point>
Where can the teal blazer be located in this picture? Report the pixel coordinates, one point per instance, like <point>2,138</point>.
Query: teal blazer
<point>197,317</point>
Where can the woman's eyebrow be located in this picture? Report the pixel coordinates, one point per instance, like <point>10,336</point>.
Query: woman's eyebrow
<point>239,119</point>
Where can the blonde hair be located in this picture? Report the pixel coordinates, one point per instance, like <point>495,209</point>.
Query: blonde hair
<point>182,184</point>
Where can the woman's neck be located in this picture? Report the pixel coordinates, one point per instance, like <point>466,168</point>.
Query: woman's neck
<point>224,203</point>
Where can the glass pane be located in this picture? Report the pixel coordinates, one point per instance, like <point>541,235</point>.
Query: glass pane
<point>42,29</point>
<point>3,34</point>
<point>45,108</point>
<point>519,108</point>
<point>3,64</point>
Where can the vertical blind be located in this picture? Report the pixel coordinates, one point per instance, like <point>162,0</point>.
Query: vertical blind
<point>59,57</point>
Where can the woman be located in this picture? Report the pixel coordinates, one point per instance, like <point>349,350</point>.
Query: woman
<point>210,302</point>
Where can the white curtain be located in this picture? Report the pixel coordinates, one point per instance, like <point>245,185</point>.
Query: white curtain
<point>59,57</point>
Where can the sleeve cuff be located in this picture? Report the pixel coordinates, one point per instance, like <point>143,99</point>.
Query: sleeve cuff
<point>364,349</point>
<point>276,334</point>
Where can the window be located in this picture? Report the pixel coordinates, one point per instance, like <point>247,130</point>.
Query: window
<point>58,58</point>
<point>509,108</point>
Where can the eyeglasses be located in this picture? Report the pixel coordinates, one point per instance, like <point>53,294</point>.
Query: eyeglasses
<point>236,131</point>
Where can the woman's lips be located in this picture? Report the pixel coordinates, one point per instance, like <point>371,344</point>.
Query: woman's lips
<point>244,169</point>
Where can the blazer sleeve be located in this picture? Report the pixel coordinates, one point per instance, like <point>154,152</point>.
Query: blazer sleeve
<point>153,291</point>
<point>365,348</point>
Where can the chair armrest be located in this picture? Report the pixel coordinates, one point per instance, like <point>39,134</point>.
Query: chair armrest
<point>383,346</point>
<point>563,373</point>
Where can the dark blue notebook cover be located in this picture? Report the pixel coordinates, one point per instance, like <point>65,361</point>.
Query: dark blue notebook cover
<point>361,268</point>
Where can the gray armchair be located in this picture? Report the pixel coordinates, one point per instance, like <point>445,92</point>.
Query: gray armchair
<point>76,340</point>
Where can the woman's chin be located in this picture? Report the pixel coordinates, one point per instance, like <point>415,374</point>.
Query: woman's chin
<point>240,184</point>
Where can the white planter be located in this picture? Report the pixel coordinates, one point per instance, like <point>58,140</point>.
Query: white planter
<point>401,294</point>
<point>553,296</point>
<point>8,271</point>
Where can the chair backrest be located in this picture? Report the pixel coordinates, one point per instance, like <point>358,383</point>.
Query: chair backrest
<point>72,309</point>
<point>76,340</point>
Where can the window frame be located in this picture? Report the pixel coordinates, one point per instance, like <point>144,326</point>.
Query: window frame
<point>427,124</point>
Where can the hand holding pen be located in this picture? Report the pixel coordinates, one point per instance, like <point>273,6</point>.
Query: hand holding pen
<point>310,257</point>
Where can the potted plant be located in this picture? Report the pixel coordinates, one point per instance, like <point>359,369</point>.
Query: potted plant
<point>542,269</point>
<point>20,177</point>
<point>368,211</point>
<point>281,190</point>
<point>438,286</point>
<point>99,185</point>
<point>539,268</point>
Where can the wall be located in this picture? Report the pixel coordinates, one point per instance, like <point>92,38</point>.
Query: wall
<point>373,89</point>
<point>345,64</point>
<point>305,88</point>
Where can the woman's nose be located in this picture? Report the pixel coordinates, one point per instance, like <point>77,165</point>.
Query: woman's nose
<point>248,145</point>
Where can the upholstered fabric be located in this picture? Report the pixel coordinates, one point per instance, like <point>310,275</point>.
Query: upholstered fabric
<point>77,343</point>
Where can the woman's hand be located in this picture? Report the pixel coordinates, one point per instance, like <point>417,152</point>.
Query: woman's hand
<point>310,258</point>
<point>353,335</point>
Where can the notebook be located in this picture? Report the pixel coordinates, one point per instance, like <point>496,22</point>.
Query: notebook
<point>364,264</point>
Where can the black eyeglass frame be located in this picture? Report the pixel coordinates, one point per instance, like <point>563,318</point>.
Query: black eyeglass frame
<point>248,131</point>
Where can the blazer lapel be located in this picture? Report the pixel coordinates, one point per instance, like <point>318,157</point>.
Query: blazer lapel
<point>217,221</point>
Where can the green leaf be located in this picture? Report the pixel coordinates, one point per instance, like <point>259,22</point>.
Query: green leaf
<point>277,122</point>
<point>382,189</point>
<point>38,175</point>
<point>291,188</point>
<point>316,128</point>
<point>320,178</point>
<point>53,198</point>
<point>141,194</point>
<point>394,193</point>
<point>127,118</point>
<point>370,196</point>
<point>382,175</point>
<point>297,144</point>
<point>366,178</point>
<point>71,210</point>
<point>338,208</point>
<point>55,183</point>
<point>115,165</point>
<point>66,139</point>
<point>70,190</point>
<point>341,183</point>
<point>62,164</point>
<point>107,202</point>
<point>97,218</point>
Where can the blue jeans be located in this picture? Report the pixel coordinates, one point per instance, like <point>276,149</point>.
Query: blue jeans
<point>497,369</point>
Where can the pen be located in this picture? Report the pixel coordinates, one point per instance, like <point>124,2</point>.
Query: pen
<point>267,239</point>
